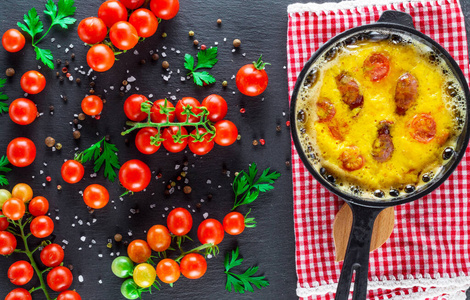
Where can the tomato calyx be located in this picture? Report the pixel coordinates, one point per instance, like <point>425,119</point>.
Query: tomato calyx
<point>249,222</point>
<point>259,64</point>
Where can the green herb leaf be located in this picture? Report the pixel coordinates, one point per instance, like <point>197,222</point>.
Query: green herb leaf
<point>189,62</point>
<point>207,58</point>
<point>66,9</point>
<point>33,24</point>
<point>102,153</point>
<point>45,55</point>
<point>3,163</point>
<point>203,77</point>
<point>241,282</point>
<point>3,106</point>
<point>51,9</point>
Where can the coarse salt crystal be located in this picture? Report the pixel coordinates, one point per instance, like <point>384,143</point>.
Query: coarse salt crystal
<point>205,215</point>
<point>80,278</point>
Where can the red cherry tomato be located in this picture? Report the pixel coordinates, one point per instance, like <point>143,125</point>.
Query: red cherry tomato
<point>193,266</point>
<point>325,110</point>
<point>169,143</point>
<point>142,140</point>
<point>69,295</point>
<point>234,223</point>
<point>96,196</point>
<point>22,111</point>
<point>38,206</point>
<point>423,128</point>
<point>112,11</point>
<point>132,4</point>
<point>132,107</point>
<point>92,30</point>
<point>7,243</point>
<point>168,270</point>
<point>351,158</point>
<point>139,251</point>
<point>185,102</point>
<point>72,171</point>
<point>100,58</point>
<point>21,152</point>
<point>376,66</point>
<point>14,209</point>
<point>123,35</point>
<point>20,272</point>
<point>226,133</point>
<point>203,147</point>
<point>252,79</point>
<point>59,279</point>
<point>134,175</point>
<point>52,255</point>
<point>179,221</point>
<point>41,227</point>
<point>19,294</point>
<point>13,40</point>
<point>33,82</point>
<point>217,107</point>
<point>158,117</point>
<point>92,105</point>
<point>158,238</point>
<point>144,22</point>
<point>210,231</point>
<point>165,9</point>
<point>3,222</point>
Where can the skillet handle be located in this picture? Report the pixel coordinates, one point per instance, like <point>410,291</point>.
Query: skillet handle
<point>396,17</point>
<point>357,254</point>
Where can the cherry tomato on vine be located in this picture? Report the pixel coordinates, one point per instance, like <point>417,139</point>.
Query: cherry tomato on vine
<point>134,175</point>
<point>38,206</point>
<point>33,82</point>
<point>144,275</point>
<point>122,266</point>
<point>193,266</point>
<point>169,142</point>
<point>52,255</point>
<point>185,101</point>
<point>72,171</point>
<point>69,295</point>
<point>14,209</point>
<point>96,196</point>
<point>19,294</point>
<point>92,105</point>
<point>210,231</point>
<point>92,30</point>
<point>22,111</point>
<point>158,238</point>
<point>123,35</point>
<point>226,133</point>
<point>165,9</point>
<point>179,221</point>
<point>132,4</point>
<point>100,58</point>
<point>59,279</point>
<point>7,243</point>
<point>139,251</point>
<point>112,11</point>
<point>22,191</point>
<point>168,270</point>
<point>129,289</point>
<point>13,40</point>
<point>217,107</point>
<point>20,272</point>
<point>142,140</point>
<point>4,196</point>
<point>3,222</point>
<point>21,152</point>
<point>203,147</point>
<point>234,223</point>
<point>252,79</point>
<point>144,21</point>
<point>158,117</point>
<point>132,107</point>
<point>41,227</point>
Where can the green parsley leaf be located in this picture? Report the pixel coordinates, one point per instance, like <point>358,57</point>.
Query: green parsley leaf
<point>203,77</point>
<point>61,15</point>
<point>3,106</point>
<point>241,282</point>
<point>33,24</point>
<point>205,59</point>
<point>45,55</point>
<point>3,163</point>
<point>102,153</point>
<point>189,62</point>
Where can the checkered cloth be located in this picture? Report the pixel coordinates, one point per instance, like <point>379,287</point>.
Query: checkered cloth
<point>428,253</point>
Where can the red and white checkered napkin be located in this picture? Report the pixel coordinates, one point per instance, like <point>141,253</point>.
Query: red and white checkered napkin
<point>428,254</point>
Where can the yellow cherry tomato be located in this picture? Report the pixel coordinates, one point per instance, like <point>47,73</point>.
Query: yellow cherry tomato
<point>144,275</point>
<point>22,191</point>
<point>4,196</point>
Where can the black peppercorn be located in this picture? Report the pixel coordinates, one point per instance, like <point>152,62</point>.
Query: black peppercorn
<point>155,56</point>
<point>76,134</point>
<point>10,72</point>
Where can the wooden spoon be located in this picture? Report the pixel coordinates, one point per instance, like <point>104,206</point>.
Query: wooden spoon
<point>383,227</point>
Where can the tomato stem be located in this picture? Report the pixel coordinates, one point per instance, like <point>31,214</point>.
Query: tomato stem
<point>259,64</point>
<point>197,249</point>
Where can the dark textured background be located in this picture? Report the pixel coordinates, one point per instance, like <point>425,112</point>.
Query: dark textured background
<point>261,25</point>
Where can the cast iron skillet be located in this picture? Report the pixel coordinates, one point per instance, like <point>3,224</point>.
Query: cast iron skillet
<point>366,211</point>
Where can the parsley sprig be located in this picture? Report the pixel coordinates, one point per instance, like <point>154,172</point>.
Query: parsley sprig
<point>101,153</point>
<point>60,15</point>
<point>247,189</point>
<point>241,282</point>
<point>3,168</point>
<point>3,97</point>
<point>206,59</point>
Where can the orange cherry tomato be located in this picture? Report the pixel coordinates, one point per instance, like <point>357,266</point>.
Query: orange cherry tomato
<point>423,128</point>
<point>158,238</point>
<point>168,270</point>
<point>22,191</point>
<point>92,105</point>
<point>14,209</point>
<point>351,158</point>
<point>96,196</point>
<point>139,251</point>
<point>376,66</point>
